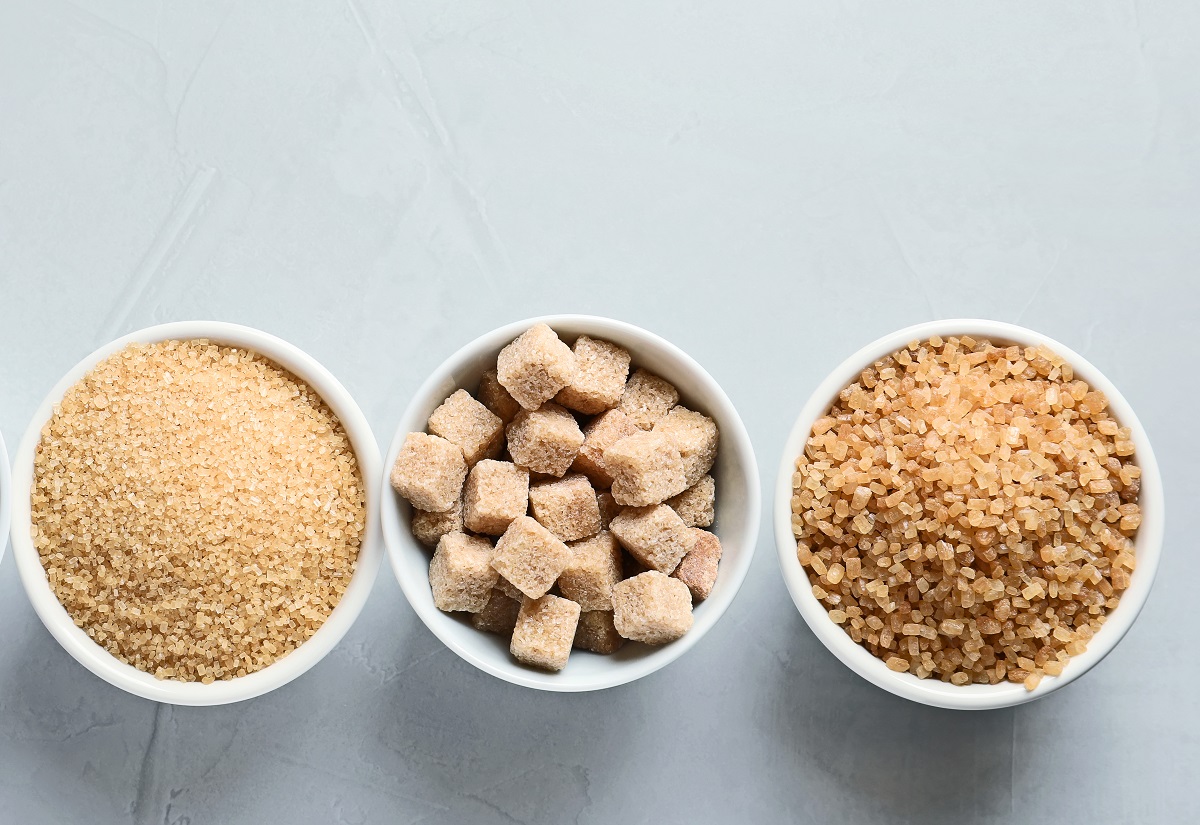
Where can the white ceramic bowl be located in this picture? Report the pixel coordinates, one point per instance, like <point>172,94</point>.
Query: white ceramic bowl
<point>931,691</point>
<point>98,660</point>
<point>5,496</point>
<point>738,505</point>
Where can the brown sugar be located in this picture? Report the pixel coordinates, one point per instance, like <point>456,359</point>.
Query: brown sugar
<point>544,632</point>
<point>198,510</point>
<point>652,608</point>
<point>647,399</point>
<point>700,566</point>
<point>695,436</point>
<point>567,507</point>
<point>545,440</point>
<point>697,504</point>
<point>967,511</point>
<point>584,446</point>
<point>473,427</point>
<point>535,366</point>
<point>599,379</point>
<point>597,632</point>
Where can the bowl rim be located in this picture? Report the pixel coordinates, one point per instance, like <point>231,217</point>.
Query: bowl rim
<point>5,496</point>
<point>399,540</point>
<point>928,691</point>
<point>126,677</point>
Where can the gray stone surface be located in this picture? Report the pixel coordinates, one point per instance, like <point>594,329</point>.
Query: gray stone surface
<point>768,185</point>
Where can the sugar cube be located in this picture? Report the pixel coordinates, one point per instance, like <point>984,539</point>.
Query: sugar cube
<point>493,396</point>
<point>599,380</point>
<point>535,367</point>
<point>429,472</point>
<point>496,493</point>
<point>608,508</point>
<point>545,440</point>
<point>695,436</point>
<point>652,608</point>
<point>509,589</point>
<point>530,557</point>
<point>646,469</point>
<point>698,570</point>
<point>594,568</point>
<point>630,566</point>
<point>697,504</point>
<point>428,528</point>
<point>602,432</point>
<point>462,420</point>
<point>566,507</point>
<point>655,536</point>
<point>460,574</point>
<point>499,615</point>
<point>647,398</point>
<point>597,633</point>
<point>544,632</point>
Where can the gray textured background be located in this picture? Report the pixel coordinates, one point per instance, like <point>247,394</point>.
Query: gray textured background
<point>769,185</point>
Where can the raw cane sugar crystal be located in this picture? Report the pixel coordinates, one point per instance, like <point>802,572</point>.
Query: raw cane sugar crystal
<point>652,608</point>
<point>597,633</point>
<point>594,568</point>
<point>493,396</point>
<point>461,574</point>
<point>609,509</point>
<point>429,472</point>
<point>967,512</point>
<point>599,380</point>
<point>602,432</point>
<point>499,615</point>
<point>697,504</point>
<point>496,493</point>
<point>695,436</point>
<point>647,398</point>
<point>698,570</point>
<point>656,536</point>
<point>464,421</point>
<point>535,367</point>
<point>530,557</point>
<point>646,469</point>
<point>545,440</point>
<point>544,632</point>
<point>567,507</point>
<point>428,528</point>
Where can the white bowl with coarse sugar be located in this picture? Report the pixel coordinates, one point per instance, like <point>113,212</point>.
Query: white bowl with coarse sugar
<point>251,507</point>
<point>986,582</point>
<point>737,506</point>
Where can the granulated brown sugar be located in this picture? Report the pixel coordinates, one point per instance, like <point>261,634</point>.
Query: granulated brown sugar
<point>198,510</point>
<point>967,511</point>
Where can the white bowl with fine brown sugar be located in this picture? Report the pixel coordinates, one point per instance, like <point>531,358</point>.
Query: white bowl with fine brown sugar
<point>968,514</point>
<point>193,514</point>
<point>734,518</point>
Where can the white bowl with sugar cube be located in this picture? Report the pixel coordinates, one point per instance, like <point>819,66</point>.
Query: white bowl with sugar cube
<point>801,581</point>
<point>737,507</point>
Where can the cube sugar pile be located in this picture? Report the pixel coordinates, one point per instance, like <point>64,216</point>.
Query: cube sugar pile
<point>566,501</point>
<point>496,493</point>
